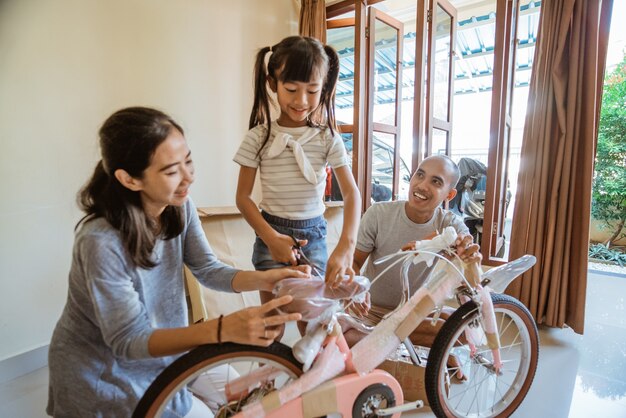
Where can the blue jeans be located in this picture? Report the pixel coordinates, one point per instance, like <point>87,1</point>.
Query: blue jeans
<point>313,230</point>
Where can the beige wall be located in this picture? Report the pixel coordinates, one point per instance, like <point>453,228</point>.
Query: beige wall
<point>65,65</point>
<point>598,233</point>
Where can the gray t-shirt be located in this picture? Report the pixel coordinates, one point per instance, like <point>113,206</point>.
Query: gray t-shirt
<point>384,229</point>
<point>98,359</point>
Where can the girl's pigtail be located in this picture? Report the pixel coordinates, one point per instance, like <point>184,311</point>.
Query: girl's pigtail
<point>328,95</point>
<point>261,106</point>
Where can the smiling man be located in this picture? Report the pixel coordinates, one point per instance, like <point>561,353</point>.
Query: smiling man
<point>386,227</point>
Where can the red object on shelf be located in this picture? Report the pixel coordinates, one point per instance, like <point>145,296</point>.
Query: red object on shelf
<point>329,177</point>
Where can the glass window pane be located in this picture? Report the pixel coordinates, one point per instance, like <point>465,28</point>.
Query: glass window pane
<point>385,67</point>
<point>443,35</point>
<point>473,83</point>
<point>342,39</point>
<point>382,166</point>
<point>439,141</point>
<point>527,28</point>
<point>473,80</point>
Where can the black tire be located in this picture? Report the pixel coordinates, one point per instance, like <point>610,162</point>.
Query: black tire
<point>372,398</point>
<point>201,359</point>
<point>483,393</point>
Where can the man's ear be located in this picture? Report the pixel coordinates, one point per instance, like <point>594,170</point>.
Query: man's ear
<point>127,180</point>
<point>451,195</point>
<point>272,83</point>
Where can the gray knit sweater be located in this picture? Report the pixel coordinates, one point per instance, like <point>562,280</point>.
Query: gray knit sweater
<point>98,360</point>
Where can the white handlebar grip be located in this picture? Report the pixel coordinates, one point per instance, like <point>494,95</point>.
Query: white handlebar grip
<point>445,239</point>
<point>438,243</point>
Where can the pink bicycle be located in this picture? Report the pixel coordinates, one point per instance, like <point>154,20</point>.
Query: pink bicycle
<point>491,340</point>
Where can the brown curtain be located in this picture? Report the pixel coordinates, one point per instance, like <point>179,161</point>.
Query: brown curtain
<point>313,19</point>
<point>551,219</point>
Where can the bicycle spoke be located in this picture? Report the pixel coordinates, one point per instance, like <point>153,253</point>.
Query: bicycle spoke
<point>484,392</point>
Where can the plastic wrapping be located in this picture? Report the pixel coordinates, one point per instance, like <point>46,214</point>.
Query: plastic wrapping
<point>383,340</point>
<point>374,348</point>
<point>316,301</point>
<point>443,280</point>
<point>441,242</point>
<point>490,326</point>
<point>328,365</point>
<point>307,348</point>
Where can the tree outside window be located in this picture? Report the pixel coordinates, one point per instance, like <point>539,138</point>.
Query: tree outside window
<point>609,184</point>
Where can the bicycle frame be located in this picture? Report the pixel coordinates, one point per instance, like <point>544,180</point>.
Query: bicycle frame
<point>343,380</point>
<point>320,392</point>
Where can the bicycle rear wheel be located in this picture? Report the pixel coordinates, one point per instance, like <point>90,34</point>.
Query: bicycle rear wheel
<point>482,392</point>
<point>238,360</point>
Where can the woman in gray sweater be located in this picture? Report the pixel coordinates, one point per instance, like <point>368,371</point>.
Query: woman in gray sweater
<point>125,318</point>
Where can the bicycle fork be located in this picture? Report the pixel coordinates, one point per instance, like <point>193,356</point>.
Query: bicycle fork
<point>487,323</point>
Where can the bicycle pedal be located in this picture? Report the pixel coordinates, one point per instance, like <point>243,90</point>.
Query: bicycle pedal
<point>409,406</point>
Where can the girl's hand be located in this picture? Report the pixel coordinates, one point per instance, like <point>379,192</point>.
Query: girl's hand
<point>467,250</point>
<point>271,277</point>
<point>282,249</point>
<point>339,264</point>
<point>257,325</point>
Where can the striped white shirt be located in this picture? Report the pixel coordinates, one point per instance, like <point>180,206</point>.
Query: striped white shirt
<point>292,189</point>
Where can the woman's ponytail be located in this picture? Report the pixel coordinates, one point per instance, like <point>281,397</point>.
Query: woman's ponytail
<point>91,197</point>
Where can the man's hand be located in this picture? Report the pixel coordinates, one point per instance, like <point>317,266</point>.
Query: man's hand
<point>467,250</point>
<point>408,246</point>
<point>360,309</point>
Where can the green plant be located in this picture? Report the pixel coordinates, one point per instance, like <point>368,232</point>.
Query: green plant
<point>603,253</point>
<point>609,183</point>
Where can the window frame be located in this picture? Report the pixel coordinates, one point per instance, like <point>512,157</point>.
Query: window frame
<point>505,48</point>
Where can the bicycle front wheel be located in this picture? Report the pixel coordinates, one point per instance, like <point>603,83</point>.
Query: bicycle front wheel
<point>481,391</point>
<point>225,376</point>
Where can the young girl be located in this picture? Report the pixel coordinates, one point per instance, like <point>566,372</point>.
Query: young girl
<point>291,154</point>
<point>125,315</point>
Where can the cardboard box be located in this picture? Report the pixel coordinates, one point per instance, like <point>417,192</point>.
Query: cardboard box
<point>410,377</point>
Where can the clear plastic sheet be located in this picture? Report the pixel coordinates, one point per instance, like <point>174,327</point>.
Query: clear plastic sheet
<point>314,300</point>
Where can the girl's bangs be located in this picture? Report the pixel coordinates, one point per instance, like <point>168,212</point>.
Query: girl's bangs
<point>300,67</point>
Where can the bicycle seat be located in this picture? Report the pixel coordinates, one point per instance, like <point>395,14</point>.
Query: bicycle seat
<point>312,298</point>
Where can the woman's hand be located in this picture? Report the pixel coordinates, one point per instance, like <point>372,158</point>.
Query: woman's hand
<point>339,264</point>
<point>257,325</point>
<point>273,276</point>
<point>282,248</point>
